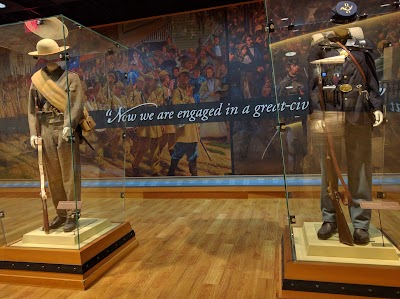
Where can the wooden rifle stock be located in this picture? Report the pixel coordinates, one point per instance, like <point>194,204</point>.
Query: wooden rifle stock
<point>43,195</point>
<point>329,140</point>
<point>345,236</point>
<point>332,165</point>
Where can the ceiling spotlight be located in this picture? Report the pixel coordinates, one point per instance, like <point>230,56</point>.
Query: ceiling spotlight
<point>2,5</point>
<point>385,4</point>
<point>284,19</point>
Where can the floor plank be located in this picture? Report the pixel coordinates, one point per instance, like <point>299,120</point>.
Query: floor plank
<point>188,248</point>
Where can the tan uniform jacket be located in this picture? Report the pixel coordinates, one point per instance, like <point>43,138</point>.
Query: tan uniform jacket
<point>134,99</point>
<point>73,115</point>
<point>162,92</point>
<point>204,90</point>
<point>107,95</point>
<point>151,131</point>
<point>189,132</point>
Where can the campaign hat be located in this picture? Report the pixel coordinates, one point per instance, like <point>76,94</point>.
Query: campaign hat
<point>47,46</point>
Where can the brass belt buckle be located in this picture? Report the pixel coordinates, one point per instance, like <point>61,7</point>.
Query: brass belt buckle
<point>346,88</point>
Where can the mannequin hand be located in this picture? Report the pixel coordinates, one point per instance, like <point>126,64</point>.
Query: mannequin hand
<point>34,141</point>
<point>378,118</point>
<point>67,133</point>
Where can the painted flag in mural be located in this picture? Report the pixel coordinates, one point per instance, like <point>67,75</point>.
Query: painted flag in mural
<point>74,59</point>
<point>73,63</point>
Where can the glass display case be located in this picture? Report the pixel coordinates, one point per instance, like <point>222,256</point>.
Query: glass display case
<point>340,166</point>
<point>58,81</point>
<point>254,94</point>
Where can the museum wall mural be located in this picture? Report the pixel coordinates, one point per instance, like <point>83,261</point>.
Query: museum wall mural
<point>202,94</point>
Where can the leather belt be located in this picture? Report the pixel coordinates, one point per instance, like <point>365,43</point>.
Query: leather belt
<point>52,118</point>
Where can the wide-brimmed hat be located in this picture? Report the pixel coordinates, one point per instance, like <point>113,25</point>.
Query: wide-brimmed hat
<point>148,76</point>
<point>119,84</point>
<point>163,73</point>
<point>47,46</point>
<point>48,28</point>
<point>183,71</point>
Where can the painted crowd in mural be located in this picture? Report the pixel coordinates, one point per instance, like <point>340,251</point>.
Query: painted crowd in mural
<point>217,56</point>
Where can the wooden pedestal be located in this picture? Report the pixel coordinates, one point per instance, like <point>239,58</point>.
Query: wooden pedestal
<point>63,268</point>
<point>316,279</point>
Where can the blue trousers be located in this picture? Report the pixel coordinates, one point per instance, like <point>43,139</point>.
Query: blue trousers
<point>188,149</point>
<point>359,170</point>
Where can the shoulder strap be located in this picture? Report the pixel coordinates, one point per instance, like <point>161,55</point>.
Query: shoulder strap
<point>50,90</point>
<point>358,66</point>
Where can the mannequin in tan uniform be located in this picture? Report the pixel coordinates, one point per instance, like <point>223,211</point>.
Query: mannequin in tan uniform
<point>59,134</point>
<point>164,93</point>
<point>149,137</point>
<point>120,100</point>
<point>187,136</point>
<point>93,103</point>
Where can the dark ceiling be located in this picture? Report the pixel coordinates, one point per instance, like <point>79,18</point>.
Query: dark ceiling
<point>99,12</point>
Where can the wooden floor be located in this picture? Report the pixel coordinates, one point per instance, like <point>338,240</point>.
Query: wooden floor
<point>190,248</point>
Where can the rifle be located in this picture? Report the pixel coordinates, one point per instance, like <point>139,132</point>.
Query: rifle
<point>332,166</point>
<point>43,195</point>
<point>205,149</point>
<point>345,236</point>
<point>18,99</point>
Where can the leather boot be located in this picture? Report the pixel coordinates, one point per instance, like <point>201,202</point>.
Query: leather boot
<point>327,230</point>
<point>361,236</point>
<point>193,167</point>
<point>69,225</point>
<point>57,222</point>
<point>172,167</point>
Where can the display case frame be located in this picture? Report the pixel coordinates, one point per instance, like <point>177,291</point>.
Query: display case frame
<point>84,240</point>
<point>314,263</point>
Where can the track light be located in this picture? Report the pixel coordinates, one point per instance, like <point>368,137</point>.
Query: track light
<point>363,16</point>
<point>64,56</point>
<point>271,26</point>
